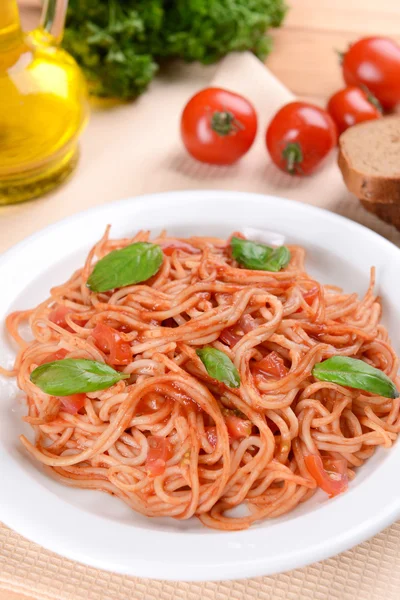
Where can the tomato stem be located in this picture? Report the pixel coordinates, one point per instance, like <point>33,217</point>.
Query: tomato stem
<point>372,99</point>
<point>293,156</point>
<point>225,123</point>
<point>341,55</point>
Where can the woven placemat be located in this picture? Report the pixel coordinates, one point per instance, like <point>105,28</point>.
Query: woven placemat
<point>371,571</point>
<point>135,149</point>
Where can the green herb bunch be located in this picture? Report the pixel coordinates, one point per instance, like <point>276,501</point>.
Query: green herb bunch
<point>119,43</point>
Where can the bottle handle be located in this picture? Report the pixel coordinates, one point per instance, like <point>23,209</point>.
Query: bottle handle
<point>53,19</point>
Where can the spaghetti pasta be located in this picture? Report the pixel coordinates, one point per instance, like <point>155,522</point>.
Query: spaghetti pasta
<point>173,441</point>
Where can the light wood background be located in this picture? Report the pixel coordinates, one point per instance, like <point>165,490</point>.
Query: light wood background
<point>304,57</point>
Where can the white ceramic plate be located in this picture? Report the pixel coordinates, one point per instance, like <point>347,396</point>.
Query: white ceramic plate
<point>99,530</point>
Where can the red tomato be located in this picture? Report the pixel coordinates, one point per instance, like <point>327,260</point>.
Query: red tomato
<point>159,452</point>
<point>57,316</point>
<point>110,341</point>
<point>73,404</point>
<point>218,126</point>
<point>169,247</point>
<point>271,365</point>
<point>299,137</point>
<point>237,427</point>
<point>374,62</point>
<point>332,479</point>
<point>352,105</point>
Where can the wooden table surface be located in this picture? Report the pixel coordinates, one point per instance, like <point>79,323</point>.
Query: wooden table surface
<point>304,57</point>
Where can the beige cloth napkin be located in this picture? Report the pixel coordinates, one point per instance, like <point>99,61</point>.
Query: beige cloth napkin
<point>135,149</point>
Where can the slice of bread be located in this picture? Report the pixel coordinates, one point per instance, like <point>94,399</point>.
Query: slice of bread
<point>387,212</point>
<point>369,158</point>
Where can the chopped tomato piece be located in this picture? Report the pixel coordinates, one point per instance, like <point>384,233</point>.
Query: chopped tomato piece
<point>229,337</point>
<point>271,365</point>
<point>59,355</point>
<point>331,476</point>
<point>211,433</point>
<point>73,404</point>
<point>237,427</point>
<point>159,452</point>
<point>57,316</point>
<point>191,404</point>
<point>110,342</point>
<point>149,404</point>
<point>309,296</point>
<point>232,335</point>
<point>171,245</point>
<point>247,323</point>
<point>186,400</point>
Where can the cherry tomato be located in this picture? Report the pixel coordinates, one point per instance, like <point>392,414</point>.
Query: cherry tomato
<point>109,340</point>
<point>73,404</point>
<point>218,126</point>
<point>374,62</point>
<point>159,452</point>
<point>331,476</point>
<point>352,105</point>
<point>299,137</point>
<point>271,365</point>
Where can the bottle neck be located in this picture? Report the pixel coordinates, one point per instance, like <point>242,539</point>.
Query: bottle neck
<point>10,26</point>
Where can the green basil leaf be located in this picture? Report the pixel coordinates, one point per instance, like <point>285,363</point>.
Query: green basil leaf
<point>132,264</point>
<point>259,256</point>
<point>75,376</point>
<point>279,258</point>
<point>219,366</point>
<point>357,374</point>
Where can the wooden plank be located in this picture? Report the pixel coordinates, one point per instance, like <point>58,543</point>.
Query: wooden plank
<point>370,17</point>
<point>6,595</point>
<point>306,61</point>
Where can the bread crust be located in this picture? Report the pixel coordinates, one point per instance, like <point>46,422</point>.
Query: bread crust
<point>372,189</point>
<point>390,213</point>
<point>379,194</point>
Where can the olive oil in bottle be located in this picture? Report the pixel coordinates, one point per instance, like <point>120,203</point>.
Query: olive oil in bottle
<point>43,104</point>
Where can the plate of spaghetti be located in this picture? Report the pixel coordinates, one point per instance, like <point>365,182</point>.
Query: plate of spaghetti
<point>200,385</point>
